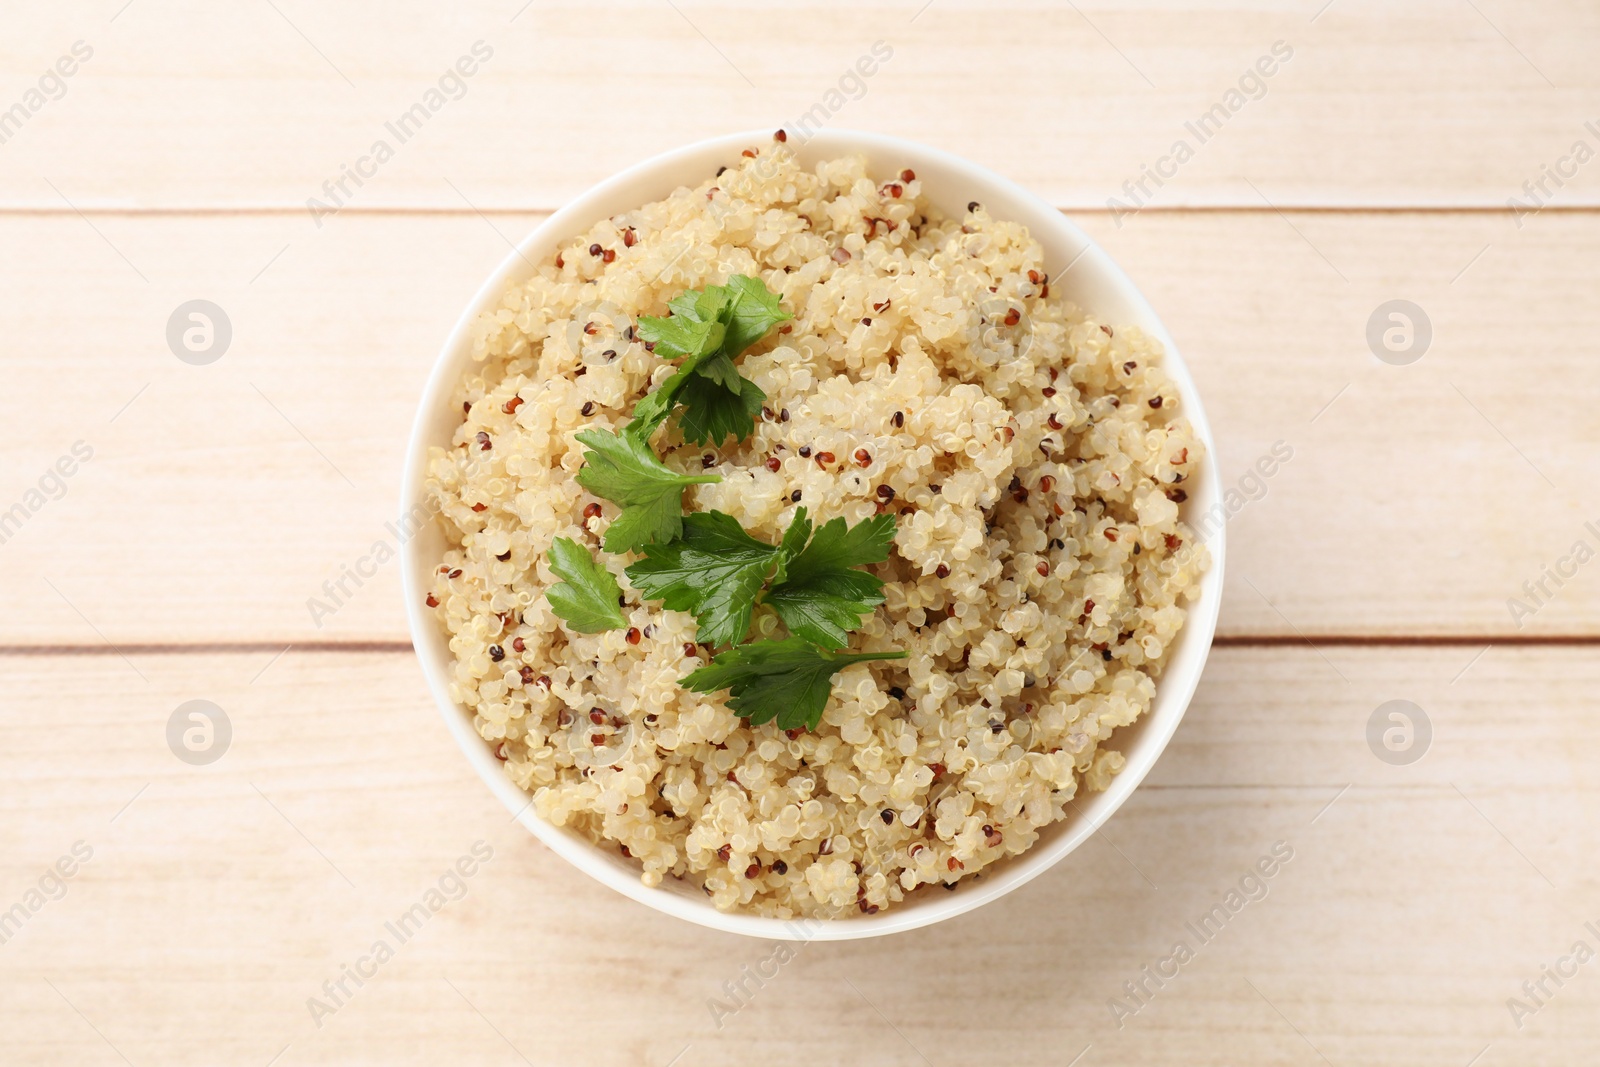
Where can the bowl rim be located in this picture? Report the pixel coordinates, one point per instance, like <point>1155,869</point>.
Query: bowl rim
<point>1174,689</point>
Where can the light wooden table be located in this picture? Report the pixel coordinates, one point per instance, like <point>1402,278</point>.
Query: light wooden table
<point>1376,165</point>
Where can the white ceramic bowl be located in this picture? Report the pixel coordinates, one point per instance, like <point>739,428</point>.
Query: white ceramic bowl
<point>1092,281</point>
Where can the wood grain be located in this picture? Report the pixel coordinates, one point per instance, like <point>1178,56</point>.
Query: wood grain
<point>1376,565</point>
<point>1419,500</point>
<point>216,903</point>
<point>191,105</point>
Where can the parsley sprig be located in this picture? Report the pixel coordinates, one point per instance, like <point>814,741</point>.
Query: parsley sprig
<point>820,595</point>
<point>709,328</point>
<point>788,680</point>
<point>716,571</point>
<point>706,563</point>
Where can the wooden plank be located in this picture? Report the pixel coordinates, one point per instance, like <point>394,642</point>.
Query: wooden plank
<point>1417,500</point>
<point>216,903</point>
<point>257,105</point>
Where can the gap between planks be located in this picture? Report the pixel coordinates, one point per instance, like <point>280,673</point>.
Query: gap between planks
<point>179,648</point>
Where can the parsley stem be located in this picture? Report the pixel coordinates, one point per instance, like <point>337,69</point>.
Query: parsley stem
<point>860,657</point>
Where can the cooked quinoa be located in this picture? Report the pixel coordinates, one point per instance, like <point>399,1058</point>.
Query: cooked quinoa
<point>1035,458</point>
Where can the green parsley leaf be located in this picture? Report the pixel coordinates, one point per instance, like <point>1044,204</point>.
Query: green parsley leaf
<point>708,329</point>
<point>624,470</point>
<point>720,369</point>
<point>788,680</point>
<point>687,304</point>
<point>706,304</point>
<point>718,402</point>
<point>682,335</point>
<point>794,542</point>
<point>820,597</point>
<point>712,413</point>
<point>753,310</point>
<point>714,571</point>
<point>651,411</point>
<point>586,597</point>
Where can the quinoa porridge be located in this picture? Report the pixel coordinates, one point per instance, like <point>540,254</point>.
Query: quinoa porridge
<point>1030,457</point>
